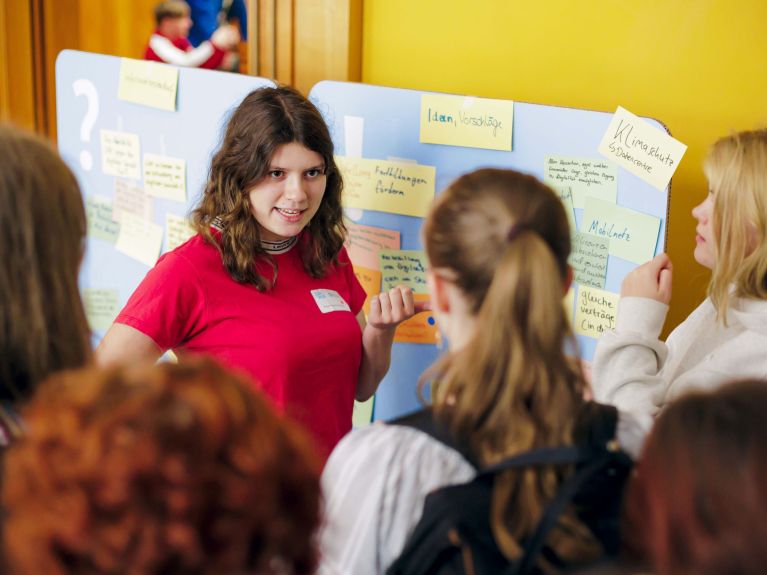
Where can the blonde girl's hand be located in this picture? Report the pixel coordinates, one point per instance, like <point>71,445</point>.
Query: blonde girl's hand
<point>389,309</point>
<point>651,280</point>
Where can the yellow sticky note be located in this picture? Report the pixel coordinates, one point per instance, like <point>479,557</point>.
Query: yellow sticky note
<point>406,267</point>
<point>139,239</point>
<point>568,302</point>
<point>584,177</point>
<point>384,186</point>
<point>642,149</point>
<point>165,177</point>
<point>466,121</point>
<point>101,307</point>
<point>120,154</point>
<point>421,328</point>
<point>364,242</point>
<point>148,83</point>
<point>177,231</point>
<point>595,311</point>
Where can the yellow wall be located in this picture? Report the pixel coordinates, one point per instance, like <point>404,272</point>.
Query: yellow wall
<point>699,66</point>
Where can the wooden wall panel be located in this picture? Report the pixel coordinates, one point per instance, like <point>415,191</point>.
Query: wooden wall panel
<point>17,70</point>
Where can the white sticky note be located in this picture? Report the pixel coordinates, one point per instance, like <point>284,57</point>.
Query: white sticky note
<point>644,150</point>
<point>120,154</point>
<point>130,198</point>
<point>177,231</point>
<point>139,239</point>
<point>354,130</point>
<point>165,177</point>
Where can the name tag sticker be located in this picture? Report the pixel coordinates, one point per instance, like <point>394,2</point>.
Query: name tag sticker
<point>329,300</point>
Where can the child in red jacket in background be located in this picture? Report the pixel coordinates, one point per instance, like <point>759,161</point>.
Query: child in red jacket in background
<point>170,44</point>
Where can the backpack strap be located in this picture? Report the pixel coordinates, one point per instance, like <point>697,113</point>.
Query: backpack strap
<point>424,421</point>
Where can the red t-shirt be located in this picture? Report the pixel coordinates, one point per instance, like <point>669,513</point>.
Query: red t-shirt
<point>307,360</point>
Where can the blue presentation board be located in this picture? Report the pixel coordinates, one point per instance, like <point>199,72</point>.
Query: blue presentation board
<point>192,132</point>
<point>88,103</point>
<point>390,120</point>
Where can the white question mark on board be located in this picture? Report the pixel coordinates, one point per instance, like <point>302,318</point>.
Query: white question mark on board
<point>87,89</point>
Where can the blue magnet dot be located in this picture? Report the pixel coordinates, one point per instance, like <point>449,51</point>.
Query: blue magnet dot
<point>430,320</point>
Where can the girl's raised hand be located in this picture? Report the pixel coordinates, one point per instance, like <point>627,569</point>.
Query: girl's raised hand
<point>651,280</point>
<point>389,309</point>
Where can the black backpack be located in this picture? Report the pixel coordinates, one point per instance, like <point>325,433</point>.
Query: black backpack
<point>454,536</point>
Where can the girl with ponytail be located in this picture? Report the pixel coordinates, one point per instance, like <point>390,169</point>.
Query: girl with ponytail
<point>498,243</point>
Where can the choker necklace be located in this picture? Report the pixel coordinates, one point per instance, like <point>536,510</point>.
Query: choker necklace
<point>278,247</point>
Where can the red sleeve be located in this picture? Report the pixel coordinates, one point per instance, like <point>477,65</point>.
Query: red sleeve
<point>358,295</point>
<point>169,304</point>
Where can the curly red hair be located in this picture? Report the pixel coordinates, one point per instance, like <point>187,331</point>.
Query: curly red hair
<point>166,469</point>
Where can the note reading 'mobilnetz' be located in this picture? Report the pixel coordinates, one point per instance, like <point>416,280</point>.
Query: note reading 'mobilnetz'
<point>120,154</point>
<point>466,121</point>
<point>148,83</point>
<point>633,235</point>
<point>407,267</point>
<point>595,311</point>
<point>642,149</point>
<point>165,177</point>
<point>384,186</point>
<point>589,259</point>
<point>586,177</point>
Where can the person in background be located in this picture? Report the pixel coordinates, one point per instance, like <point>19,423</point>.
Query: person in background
<point>698,499</point>
<point>266,284</point>
<point>207,15</point>
<point>497,243</point>
<point>170,44</point>
<point>158,470</point>
<point>726,336</point>
<point>43,327</point>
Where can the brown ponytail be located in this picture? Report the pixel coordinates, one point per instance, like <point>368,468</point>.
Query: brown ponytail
<point>511,388</point>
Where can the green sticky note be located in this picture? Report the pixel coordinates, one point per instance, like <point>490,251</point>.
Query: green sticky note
<point>633,235</point>
<point>363,413</point>
<point>98,211</point>
<point>406,267</point>
<point>101,307</point>
<point>589,259</point>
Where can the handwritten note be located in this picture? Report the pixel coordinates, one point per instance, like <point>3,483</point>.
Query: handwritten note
<point>177,231</point>
<point>585,177</point>
<point>148,83</point>
<point>165,177</point>
<point>642,149</point>
<point>566,196</point>
<point>139,239</point>
<point>595,311</point>
<point>406,267</point>
<point>101,307</point>
<point>633,235</point>
<point>364,242</point>
<point>466,121</point>
<point>385,186</point>
<point>98,210</point>
<point>589,259</point>
<point>370,280</point>
<point>130,199</point>
<point>120,154</point>
<point>568,302</point>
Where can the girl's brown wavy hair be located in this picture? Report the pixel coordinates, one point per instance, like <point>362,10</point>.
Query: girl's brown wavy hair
<point>511,388</point>
<point>43,327</point>
<point>265,120</point>
<point>162,469</point>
